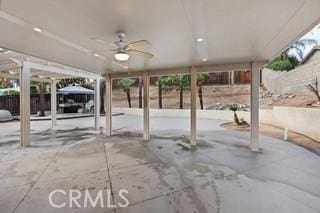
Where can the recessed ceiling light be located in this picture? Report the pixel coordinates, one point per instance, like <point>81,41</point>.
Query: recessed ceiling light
<point>96,55</point>
<point>39,30</point>
<point>199,39</point>
<point>204,59</point>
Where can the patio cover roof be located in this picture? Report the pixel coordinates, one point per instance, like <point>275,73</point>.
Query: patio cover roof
<point>233,31</point>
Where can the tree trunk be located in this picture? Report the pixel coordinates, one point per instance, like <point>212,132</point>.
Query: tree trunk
<point>236,119</point>
<point>160,92</point>
<point>200,96</point>
<point>102,94</point>
<point>181,96</point>
<point>140,92</point>
<point>129,98</point>
<point>41,99</point>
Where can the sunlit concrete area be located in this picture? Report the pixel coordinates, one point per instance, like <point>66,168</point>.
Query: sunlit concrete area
<point>221,175</point>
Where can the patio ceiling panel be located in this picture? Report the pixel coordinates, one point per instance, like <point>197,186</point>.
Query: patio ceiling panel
<point>234,31</point>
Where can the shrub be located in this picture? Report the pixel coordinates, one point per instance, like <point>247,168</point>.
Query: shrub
<point>281,65</point>
<point>234,107</point>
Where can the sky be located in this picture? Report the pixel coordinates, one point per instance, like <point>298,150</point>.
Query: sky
<point>313,34</point>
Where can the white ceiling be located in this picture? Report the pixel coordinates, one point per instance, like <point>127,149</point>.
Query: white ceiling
<point>234,31</point>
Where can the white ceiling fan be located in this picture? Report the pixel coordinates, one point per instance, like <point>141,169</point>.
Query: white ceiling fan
<point>123,50</point>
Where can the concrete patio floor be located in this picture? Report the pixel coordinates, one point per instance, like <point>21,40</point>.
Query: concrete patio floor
<point>222,175</point>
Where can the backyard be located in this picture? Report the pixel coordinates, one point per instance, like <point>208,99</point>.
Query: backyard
<point>220,176</point>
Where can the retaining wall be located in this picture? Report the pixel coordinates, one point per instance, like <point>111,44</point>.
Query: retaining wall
<point>293,81</point>
<point>305,121</point>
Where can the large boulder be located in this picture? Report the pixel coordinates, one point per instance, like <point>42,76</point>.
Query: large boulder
<point>5,115</point>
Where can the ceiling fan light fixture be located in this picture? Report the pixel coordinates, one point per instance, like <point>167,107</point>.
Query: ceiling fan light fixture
<point>121,56</point>
<point>200,39</point>
<point>37,29</point>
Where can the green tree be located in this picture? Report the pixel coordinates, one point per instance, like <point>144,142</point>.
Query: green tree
<point>81,81</point>
<point>125,85</point>
<point>159,83</point>
<point>41,99</point>
<point>140,92</point>
<point>181,81</point>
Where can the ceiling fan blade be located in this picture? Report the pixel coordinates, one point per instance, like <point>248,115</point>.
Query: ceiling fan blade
<point>104,50</point>
<point>114,45</point>
<point>104,42</point>
<point>99,40</point>
<point>140,53</point>
<point>139,44</point>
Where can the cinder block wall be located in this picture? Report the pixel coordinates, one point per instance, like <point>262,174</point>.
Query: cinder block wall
<point>302,120</point>
<point>295,80</point>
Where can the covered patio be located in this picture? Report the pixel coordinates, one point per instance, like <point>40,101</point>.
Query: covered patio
<point>216,170</point>
<point>221,175</point>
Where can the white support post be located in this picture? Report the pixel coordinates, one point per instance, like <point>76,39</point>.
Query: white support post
<point>232,77</point>
<point>97,104</point>
<point>54,103</point>
<point>108,105</point>
<point>25,105</point>
<point>254,111</point>
<point>146,107</point>
<point>193,136</point>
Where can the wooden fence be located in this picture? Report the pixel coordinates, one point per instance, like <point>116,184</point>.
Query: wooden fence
<point>12,103</point>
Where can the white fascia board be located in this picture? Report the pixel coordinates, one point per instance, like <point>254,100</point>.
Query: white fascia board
<point>49,68</point>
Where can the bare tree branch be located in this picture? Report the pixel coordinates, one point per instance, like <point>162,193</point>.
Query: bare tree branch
<point>314,88</point>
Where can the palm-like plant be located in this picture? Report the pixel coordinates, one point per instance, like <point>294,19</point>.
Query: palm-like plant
<point>201,77</point>
<point>181,81</point>
<point>235,108</point>
<point>81,81</point>
<point>41,99</point>
<point>298,48</point>
<point>159,84</point>
<point>140,91</point>
<point>125,85</point>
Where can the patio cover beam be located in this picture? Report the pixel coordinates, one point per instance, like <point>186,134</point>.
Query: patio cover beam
<point>9,76</point>
<point>66,71</point>
<point>185,70</point>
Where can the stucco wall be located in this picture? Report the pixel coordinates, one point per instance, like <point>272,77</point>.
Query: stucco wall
<point>295,80</point>
<point>302,120</point>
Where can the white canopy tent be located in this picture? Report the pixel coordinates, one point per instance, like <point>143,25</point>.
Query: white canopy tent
<point>75,89</point>
<point>187,36</point>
